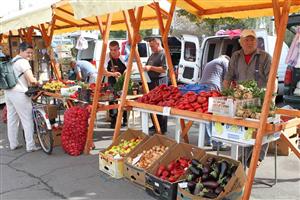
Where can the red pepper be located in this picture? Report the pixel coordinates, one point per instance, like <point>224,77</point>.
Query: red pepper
<point>172,179</point>
<point>192,98</point>
<point>200,110</point>
<point>160,170</point>
<point>201,99</point>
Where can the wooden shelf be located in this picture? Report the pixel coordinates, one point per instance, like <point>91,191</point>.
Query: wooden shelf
<point>271,128</point>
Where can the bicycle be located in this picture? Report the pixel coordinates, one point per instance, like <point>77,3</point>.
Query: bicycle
<point>42,125</point>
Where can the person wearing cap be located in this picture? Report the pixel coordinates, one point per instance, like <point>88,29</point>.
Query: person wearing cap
<point>249,63</point>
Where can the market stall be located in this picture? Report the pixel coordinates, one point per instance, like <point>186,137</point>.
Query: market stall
<point>280,10</point>
<point>133,18</point>
<point>67,16</point>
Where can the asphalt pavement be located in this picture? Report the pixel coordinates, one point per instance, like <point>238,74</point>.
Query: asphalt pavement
<point>37,176</point>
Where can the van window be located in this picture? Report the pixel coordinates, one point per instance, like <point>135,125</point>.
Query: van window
<point>142,48</point>
<point>260,43</point>
<point>211,52</point>
<point>190,51</point>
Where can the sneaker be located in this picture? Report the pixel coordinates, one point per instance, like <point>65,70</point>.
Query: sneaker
<point>33,149</point>
<point>17,147</point>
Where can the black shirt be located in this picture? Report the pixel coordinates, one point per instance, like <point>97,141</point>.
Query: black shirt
<point>113,66</point>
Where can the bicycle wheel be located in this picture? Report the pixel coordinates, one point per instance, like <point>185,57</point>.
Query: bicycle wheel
<point>44,134</point>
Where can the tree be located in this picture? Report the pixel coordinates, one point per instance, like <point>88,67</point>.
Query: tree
<point>211,26</point>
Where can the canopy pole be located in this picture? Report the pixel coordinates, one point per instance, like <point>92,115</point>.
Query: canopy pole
<point>267,99</point>
<point>100,25</point>
<point>276,12</point>
<point>90,133</point>
<point>164,32</point>
<point>47,38</point>
<point>159,18</point>
<point>21,35</point>
<point>138,61</point>
<point>137,56</point>
<point>28,36</point>
<point>135,27</point>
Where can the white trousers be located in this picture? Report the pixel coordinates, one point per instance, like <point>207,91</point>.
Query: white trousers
<point>19,108</point>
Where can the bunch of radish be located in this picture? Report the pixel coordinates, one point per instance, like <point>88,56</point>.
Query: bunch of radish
<point>74,133</point>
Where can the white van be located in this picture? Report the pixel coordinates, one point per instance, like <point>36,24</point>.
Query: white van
<point>194,57</point>
<point>93,52</point>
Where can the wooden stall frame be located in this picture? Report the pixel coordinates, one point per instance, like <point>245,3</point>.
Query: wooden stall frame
<point>105,37</point>
<point>262,124</point>
<point>131,15</point>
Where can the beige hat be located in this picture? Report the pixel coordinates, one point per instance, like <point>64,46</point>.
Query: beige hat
<point>248,32</point>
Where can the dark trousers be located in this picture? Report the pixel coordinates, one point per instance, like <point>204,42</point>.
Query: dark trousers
<point>114,113</point>
<point>163,120</point>
<point>262,155</point>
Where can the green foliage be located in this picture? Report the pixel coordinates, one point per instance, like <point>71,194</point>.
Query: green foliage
<point>211,26</point>
<point>117,34</point>
<point>118,86</point>
<point>145,33</point>
<point>228,92</point>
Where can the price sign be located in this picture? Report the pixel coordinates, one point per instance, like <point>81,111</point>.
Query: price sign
<point>167,111</point>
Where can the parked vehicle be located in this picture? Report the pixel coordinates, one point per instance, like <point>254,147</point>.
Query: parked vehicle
<point>292,76</point>
<point>194,57</point>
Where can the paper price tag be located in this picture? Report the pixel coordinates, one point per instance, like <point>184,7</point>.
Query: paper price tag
<point>136,159</point>
<point>182,185</point>
<point>166,111</point>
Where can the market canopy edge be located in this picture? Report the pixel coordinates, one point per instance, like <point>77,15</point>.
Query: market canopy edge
<point>66,22</point>
<point>232,8</point>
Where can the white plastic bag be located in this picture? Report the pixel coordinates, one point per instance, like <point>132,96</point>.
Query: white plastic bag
<point>82,43</point>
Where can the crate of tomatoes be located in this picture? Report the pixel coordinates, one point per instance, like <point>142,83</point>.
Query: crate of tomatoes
<point>163,176</point>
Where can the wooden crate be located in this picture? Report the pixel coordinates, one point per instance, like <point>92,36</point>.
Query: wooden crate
<point>282,148</point>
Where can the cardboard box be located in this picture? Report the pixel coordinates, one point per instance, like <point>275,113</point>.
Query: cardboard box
<point>233,188</point>
<point>115,166</point>
<point>51,111</point>
<point>239,134</point>
<point>163,189</point>
<point>227,106</point>
<point>282,148</point>
<point>56,137</point>
<point>136,174</point>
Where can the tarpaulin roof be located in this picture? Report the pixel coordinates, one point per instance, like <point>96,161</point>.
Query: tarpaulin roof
<point>80,15</point>
<point>232,8</point>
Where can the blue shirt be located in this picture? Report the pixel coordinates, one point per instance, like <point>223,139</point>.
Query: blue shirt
<point>214,72</point>
<point>85,67</point>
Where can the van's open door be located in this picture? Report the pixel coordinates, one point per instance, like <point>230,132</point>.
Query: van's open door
<point>189,69</point>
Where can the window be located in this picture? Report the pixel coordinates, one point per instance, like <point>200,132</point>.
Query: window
<point>260,43</point>
<point>211,52</point>
<point>142,48</point>
<point>190,51</point>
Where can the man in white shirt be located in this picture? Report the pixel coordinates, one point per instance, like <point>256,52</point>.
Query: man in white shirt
<point>19,107</point>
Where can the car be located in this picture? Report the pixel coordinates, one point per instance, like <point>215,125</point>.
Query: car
<point>292,75</point>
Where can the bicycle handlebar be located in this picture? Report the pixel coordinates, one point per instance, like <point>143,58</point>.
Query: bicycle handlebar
<point>32,91</point>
